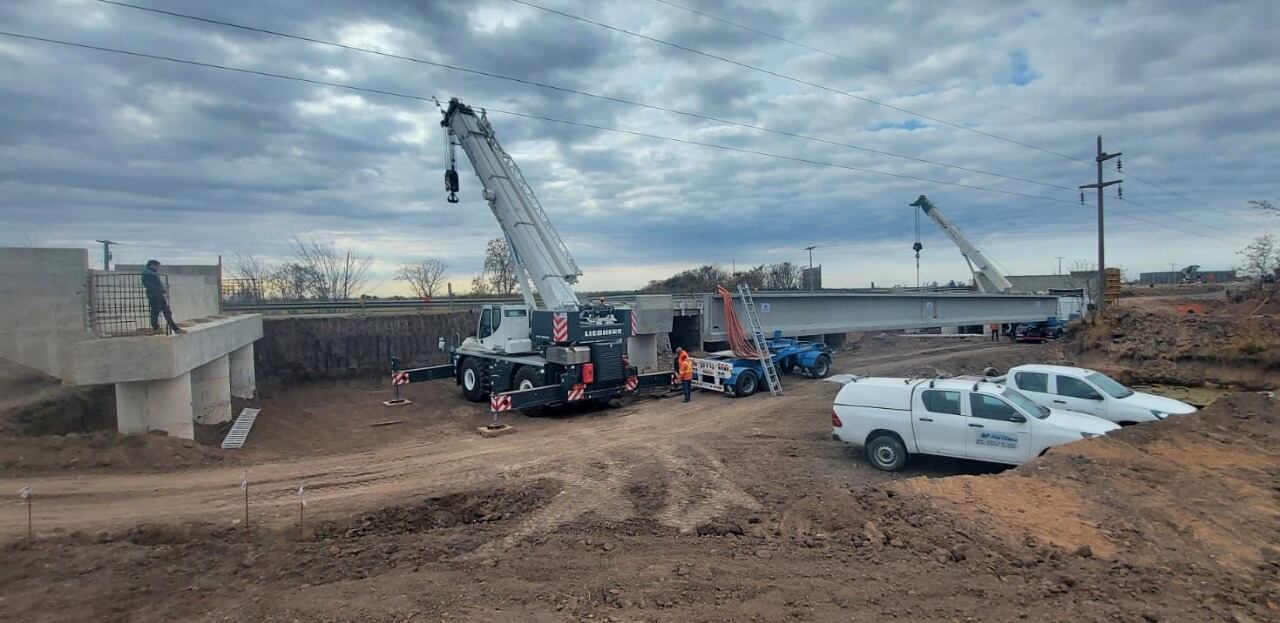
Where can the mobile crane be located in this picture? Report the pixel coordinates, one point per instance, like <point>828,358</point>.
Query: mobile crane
<point>986,276</point>
<point>552,349</point>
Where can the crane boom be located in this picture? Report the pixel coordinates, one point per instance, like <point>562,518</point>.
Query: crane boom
<point>985,275</point>
<point>541,257</point>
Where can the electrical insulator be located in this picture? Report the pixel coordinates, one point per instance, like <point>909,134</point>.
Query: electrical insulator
<point>1119,164</point>
<point>1120,191</point>
<point>1082,197</point>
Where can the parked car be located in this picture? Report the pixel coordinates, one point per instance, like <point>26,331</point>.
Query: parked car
<point>1038,331</point>
<point>1088,391</point>
<point>893,418</point>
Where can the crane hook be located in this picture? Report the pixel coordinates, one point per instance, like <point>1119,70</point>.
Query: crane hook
<point>451,184</point>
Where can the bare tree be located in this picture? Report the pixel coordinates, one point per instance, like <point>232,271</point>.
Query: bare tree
<point>783,276</point>
<point>424,276</point>
<point>1260,256</point>
<point>479,285</point>
<point>258,275</point>
<point>292,281</point>
<point>499,273</point>
<point>337,275</point>
<point>1266,207</point>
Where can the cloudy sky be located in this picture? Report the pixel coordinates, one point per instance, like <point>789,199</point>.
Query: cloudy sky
<point>187,163</point>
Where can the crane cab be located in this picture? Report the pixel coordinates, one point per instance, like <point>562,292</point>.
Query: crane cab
<point>502,329</point>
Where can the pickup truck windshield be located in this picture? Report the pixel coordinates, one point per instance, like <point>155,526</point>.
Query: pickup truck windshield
<point>1111,387</point>
<point>1024,403</point>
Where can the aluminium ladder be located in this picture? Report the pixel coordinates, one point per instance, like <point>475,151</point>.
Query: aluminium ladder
<point>771,377</point>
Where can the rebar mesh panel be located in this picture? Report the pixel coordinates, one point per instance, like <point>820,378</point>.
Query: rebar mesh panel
<point>118,306</point>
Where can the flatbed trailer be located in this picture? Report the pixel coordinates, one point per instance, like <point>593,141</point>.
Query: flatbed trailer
<point>741,376</point>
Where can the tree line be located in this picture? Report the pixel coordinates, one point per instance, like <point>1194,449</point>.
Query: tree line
<point>780,276</point>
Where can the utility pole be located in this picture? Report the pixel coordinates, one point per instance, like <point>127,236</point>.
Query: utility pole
<point>106,253</point>
<point>1059,258</point>
<point>1101,302</point>
<point>810,249</point>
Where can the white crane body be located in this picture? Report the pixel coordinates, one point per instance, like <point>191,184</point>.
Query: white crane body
<point>553,349</point>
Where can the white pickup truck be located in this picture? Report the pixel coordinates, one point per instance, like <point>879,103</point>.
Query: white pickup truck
<point>1086,391</point>
<point>893,418</point>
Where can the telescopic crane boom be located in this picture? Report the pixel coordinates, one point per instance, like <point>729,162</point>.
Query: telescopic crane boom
<point>985,275</point>
<point>541,258</point>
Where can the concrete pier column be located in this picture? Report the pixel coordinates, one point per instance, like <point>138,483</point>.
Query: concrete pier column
<point>244,382</point>
<point>143,406</point>
<point>643,351</point>
<point>211,391</point>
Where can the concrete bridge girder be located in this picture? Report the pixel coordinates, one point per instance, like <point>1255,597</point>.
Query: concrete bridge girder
<point>810,314</point>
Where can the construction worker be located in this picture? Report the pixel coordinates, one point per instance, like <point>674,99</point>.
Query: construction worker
<point>686,376</point>
<point>158,298</point>
<point>995,332</point>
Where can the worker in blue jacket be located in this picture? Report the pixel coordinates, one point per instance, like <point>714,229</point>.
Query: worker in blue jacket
<point>157,298</point>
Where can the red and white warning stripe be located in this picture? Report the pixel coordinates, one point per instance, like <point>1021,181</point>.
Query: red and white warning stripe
<point>498,402</point>
<point>560,327</point>
<point>399,378</point>
<point>632,383</point>
<point>635,330</point>
<point>577,392</point>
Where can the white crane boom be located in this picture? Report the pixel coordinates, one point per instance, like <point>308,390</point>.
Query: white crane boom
<point>985,275</point>
<point>540,255</point>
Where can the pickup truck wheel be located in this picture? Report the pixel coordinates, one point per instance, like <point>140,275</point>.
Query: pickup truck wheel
<point>472,380</point>
<point>821,368</point>
<point>746,385</point>
<point>886,453</point>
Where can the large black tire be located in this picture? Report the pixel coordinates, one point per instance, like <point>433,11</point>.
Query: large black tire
<point>886,453</point>
<point>747,384</point>
<point>529,377</point>
<point>821,368</point>
<point>471,378</point>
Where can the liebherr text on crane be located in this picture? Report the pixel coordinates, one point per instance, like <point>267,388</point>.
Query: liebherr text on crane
<point>553,349</point>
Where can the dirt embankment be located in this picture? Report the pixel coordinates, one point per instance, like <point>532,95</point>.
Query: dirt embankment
<point>1231,344</point>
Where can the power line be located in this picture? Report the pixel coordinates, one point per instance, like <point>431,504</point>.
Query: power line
<point>864,65</point>
<point>563,89</point>
<point>531,116</point>
<point>830,89</point>
<point>799,81</point>
<point>434,99</point>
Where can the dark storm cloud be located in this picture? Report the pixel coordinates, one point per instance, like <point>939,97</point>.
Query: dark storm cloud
<point>200,162</point>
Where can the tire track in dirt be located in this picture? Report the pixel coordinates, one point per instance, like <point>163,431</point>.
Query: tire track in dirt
<point>649,430</point>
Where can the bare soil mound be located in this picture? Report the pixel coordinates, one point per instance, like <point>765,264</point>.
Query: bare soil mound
<point>1162,346</point>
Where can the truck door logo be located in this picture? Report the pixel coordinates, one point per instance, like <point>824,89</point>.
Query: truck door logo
<point>997,440</point>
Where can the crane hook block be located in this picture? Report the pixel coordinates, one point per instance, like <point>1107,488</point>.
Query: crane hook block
<point>452,198</point>
<point>916,247</point>
<point>451,180</point>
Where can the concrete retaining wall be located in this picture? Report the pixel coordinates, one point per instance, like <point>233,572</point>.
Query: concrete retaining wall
<point>42,306</point>
<point>300,348</point>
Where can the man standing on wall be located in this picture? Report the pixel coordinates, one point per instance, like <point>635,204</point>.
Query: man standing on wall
<point>157,298</point>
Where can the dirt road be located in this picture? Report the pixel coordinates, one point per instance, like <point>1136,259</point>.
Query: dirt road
<point>449,457</point>
<point>718,510</point>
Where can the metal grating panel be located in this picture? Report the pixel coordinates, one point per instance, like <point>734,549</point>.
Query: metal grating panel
<point>240,430</point>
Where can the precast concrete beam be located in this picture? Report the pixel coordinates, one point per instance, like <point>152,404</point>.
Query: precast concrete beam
<point>165,404</point>
<point>211,392</point>
<point>244,381</point>
<point>816,313</point>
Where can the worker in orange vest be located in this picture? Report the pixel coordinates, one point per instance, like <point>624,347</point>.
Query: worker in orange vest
<point>686,375</point>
